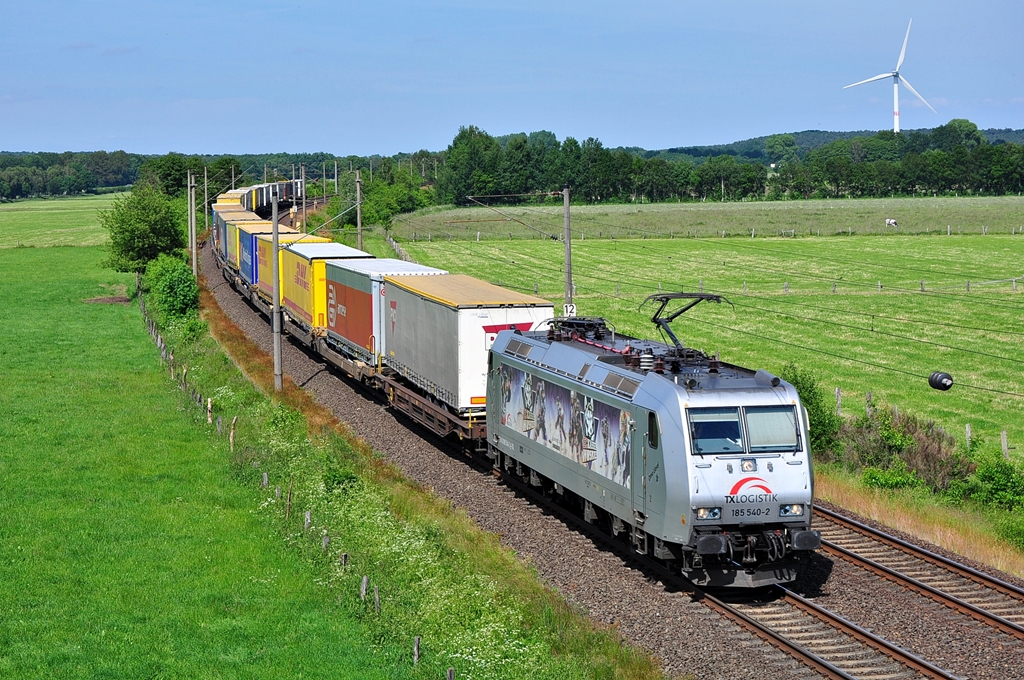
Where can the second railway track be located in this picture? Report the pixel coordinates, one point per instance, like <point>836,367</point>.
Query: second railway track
<point>961,588</point>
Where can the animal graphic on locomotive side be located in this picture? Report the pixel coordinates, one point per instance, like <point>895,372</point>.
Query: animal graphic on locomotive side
<point>584,428</point>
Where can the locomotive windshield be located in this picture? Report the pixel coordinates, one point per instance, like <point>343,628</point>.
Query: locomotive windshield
<point>716,430</point>
<point>771,428</point>
<point>768,429</point>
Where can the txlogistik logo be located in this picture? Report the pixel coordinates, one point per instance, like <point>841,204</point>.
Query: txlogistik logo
<point>750,490</point>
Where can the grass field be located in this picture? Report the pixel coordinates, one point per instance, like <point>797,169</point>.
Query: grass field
<point>1001,215</point>
<point>859,338</point>
<point>68,221</point>
<point>126,547</point>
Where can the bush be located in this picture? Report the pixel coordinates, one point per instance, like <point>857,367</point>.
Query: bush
<point>172,287</point>
<point>897,443</point>
<point>824,421</point>
<point>999,483</point>
<point>142,225</point>
<point>1010,528</point>
<point>897,476</point>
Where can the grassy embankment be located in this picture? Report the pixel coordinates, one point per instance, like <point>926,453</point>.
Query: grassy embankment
<point>69,221</point>
<point>859,339</point>
<point>129,548</point>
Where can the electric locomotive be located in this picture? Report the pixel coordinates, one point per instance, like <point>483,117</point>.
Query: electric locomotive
<point>701,464</point>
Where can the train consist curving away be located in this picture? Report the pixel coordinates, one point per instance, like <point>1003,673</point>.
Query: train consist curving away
<point>698,463</point>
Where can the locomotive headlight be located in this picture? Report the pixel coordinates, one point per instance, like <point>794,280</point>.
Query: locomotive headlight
<point>709,513</point>
<point>794,510</point>
<point>748,465</point>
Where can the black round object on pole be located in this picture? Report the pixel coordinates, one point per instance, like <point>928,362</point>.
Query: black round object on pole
<point>940,381</point>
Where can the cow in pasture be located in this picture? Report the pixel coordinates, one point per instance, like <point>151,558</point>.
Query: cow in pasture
<point>890,222</point>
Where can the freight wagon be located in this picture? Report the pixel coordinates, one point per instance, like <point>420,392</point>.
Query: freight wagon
<point>357,305</point>
<point>440,331</point>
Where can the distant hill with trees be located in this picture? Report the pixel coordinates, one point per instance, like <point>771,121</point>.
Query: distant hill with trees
<point>953,158</point>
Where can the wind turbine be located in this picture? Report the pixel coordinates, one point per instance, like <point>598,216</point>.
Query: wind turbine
<point>896,79</point>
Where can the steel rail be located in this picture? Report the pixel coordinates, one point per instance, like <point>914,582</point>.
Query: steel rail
<point>938,560</point>
<point>917,585</point>
<point>928,591</point>
<point>866,638</point>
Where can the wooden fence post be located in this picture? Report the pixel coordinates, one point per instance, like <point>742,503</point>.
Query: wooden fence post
<point>968,435</point>
<point>307,521</point>
<point>868,407</point>
<point>1006,445</point>
<point>362,588</point>
<point>288,503</point>
<point>209,411</point>
<point>839,402</point>
<point>231,437</point>
<point>416,650</point>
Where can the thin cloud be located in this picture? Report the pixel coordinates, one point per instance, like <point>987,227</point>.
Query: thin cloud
<point>122,50</point>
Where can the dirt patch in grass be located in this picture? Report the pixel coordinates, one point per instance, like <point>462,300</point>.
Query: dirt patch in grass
<point>109,300</point>
<point>119,297</point>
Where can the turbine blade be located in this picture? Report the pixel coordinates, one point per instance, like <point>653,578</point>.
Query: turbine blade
<point>870,80</point>
<point>903,52</point>
<point>909,87</point>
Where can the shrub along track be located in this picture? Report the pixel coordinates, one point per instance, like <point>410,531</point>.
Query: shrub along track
<point>684,634</point>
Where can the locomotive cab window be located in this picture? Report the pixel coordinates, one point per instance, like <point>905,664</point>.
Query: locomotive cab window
<point>772,429</point>
<point>652,430</point>
<point>716,430</point>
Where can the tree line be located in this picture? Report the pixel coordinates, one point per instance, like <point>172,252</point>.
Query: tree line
<point>55,174</point>
<point>955,158</point>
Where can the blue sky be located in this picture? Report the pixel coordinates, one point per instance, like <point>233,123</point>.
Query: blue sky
<point>386,77</point>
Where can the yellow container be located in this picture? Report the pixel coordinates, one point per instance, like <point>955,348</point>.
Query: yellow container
<point>304,280</point>
<point>264,260</point>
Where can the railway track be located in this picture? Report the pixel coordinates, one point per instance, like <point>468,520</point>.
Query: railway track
<point>824,643</point>
<point>962,589</point>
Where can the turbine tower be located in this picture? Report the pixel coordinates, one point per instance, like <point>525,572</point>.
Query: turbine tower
<point>896,80</point>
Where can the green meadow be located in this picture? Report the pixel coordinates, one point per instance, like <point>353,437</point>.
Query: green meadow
<point>69,221</point>
<point>811,301</point>
<point>973,215</point>
<point>127,548</point>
